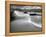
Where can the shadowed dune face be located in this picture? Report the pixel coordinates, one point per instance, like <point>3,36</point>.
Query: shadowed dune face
<point>23,25</point>
<point>25,21</point>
